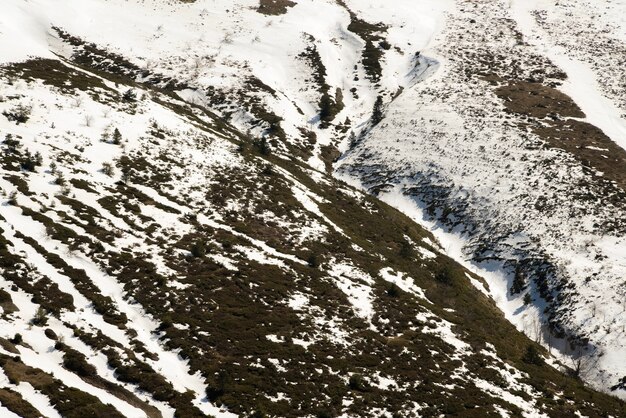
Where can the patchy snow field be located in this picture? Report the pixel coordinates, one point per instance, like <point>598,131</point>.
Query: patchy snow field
<point>169,219</point>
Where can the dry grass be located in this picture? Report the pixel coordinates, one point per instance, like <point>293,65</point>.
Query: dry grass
<point>550,114</point>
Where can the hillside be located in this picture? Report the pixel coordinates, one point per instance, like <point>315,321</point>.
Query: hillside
<point>175,240</point>
<point>512,148</point>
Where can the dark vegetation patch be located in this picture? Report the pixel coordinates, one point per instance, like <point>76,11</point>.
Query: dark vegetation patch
<point>329,154</point>
<point>6,302</point>
<point>280,205</point>
<point>14,157</point>
<point>76,361</point>
<point>20,184</point>
<point>621,385</point>
<point>19,114</point>
<point>9,345</point>
<point>82,184</point>
<point>537,100</point>
<point>274,129</point>
<point>259,85</point>
<point>274,7</point>
<point>493,65</point>
<point>11,156</point>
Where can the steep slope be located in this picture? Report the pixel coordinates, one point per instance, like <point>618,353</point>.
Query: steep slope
<point>169,266</point>
<point>492,148</point>
<point>169,249</point>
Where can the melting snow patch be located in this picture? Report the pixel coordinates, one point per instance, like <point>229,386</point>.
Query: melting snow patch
<point>500,410</point>
<point>225,262</point>
<point>404,283</point>
<point>443,329</point>
<point>308,201</point>
<point>177,285</point>
<point>356,285</point>
<point>383,382</point>
<point>280,396</point>
<point>431,243</point>
<point>425,253</point>
<point>478,285</point>
<point>277,365</point>
<point>526,406</point>
<point>258,256</point>
<point>298,301</point>
<point>274,338</point>
<point>301,342</point>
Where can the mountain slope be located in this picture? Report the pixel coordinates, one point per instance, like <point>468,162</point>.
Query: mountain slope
<point>205,273</point>
<point>169,247</point>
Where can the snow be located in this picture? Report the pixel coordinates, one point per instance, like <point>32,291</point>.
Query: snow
<point>478,285</point>
<point>426,253</point>
<point>258,256</point>
<point>306,199</point>
<point>355,284</point>
<point>6,413</point>
<point>385,383</point>
<point>224,261</point>
<point>301,342</point>
<point>404,282</point>
<point>298,301</point>
<point>280,396</point>
<point>529,408</point>
<point>21,21</point>
<point>274,338</point>
<point>220,49</point>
